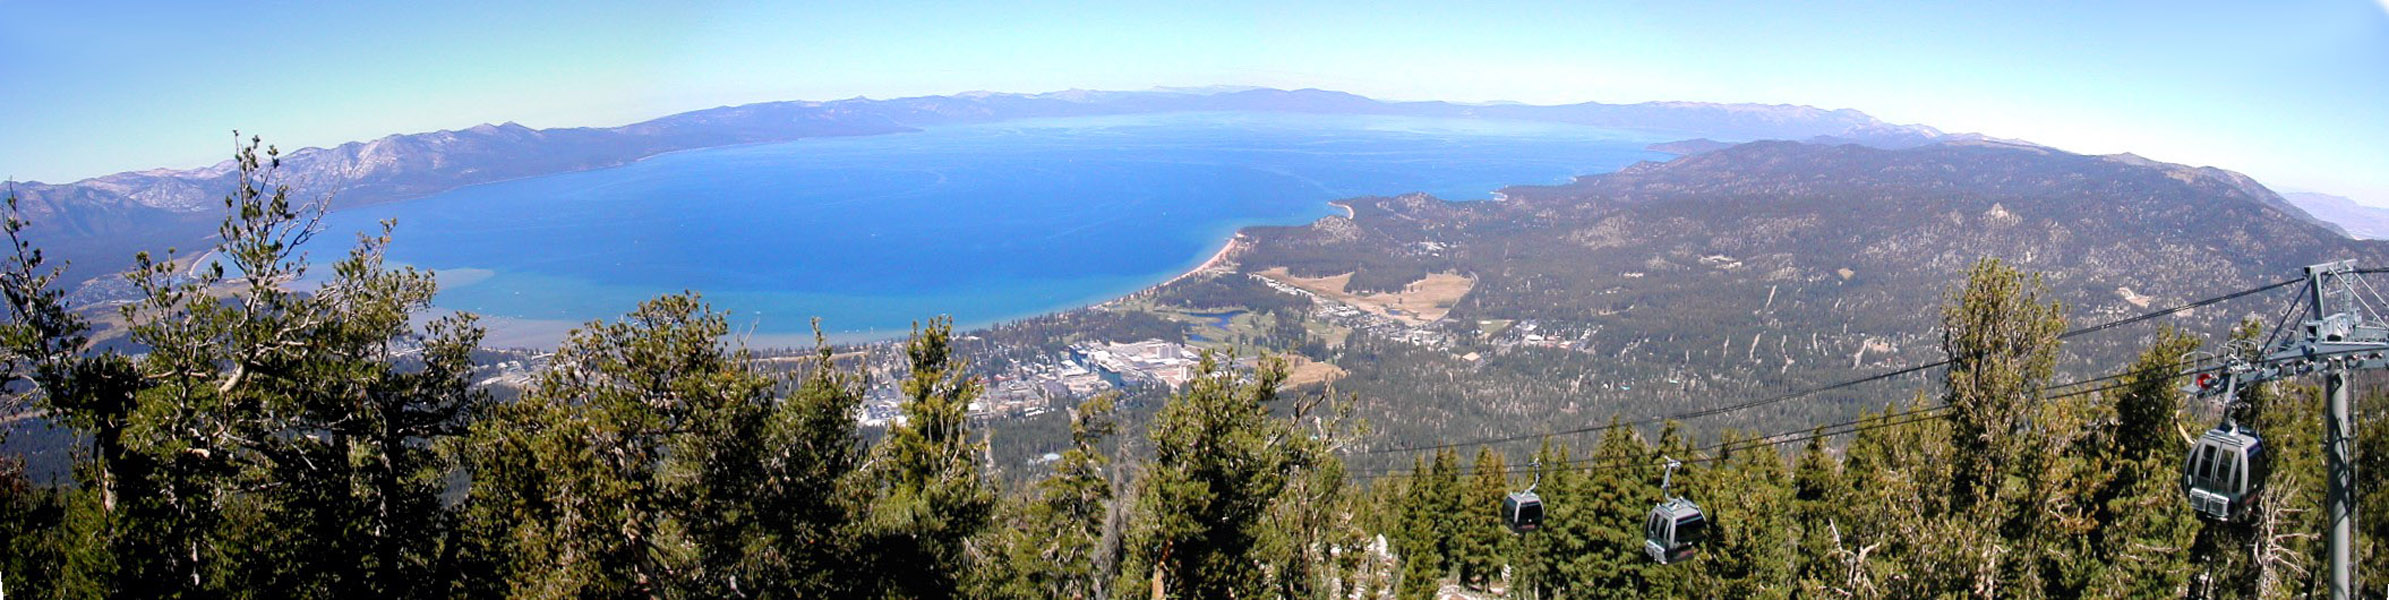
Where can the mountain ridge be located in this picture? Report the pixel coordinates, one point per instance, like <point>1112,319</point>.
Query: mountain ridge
<point>1775,265</point>
<point>2357,219</point>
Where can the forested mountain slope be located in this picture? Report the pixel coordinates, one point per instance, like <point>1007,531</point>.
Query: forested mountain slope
<point>1731,274</point>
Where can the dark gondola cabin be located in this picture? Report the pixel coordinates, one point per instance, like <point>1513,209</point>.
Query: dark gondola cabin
<point>1524,511</point>
<point>1674,528</point>
<point>2225,469</point>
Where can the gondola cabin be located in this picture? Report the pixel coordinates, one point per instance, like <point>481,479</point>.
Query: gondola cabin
<point>2225,469</point>
<point>1524,511</point>
<point>1673,530</point>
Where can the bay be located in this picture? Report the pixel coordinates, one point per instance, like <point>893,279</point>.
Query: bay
<point>982,222</point>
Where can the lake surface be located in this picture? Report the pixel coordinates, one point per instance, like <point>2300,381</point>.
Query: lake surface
<point>984,223</point>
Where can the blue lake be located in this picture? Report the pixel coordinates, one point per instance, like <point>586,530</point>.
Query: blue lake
<point>984,222</point>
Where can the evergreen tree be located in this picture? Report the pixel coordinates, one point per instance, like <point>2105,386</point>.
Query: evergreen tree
<point>925,489</point>
<point>2283,533</point>
<point>60,541</point>
<point>2008,445</point>
<point>2141,548</point>
<point>2145,409</point>
<point>278,441</point>
<point>1617,497</point>
<point>2146,541</point>
<point>389,420</point>
<point>1314,520</point>
<point>1056,548</point>
<point>1220,462</point>
<point>218,403</point>
<point>1752,549</point>
<point>1897,535</point>
<point>1433,519</point>
<point>797,543</point>
<point>628,469</point>
<point>1484,533</point>
<point>2001,340</point>
<point>1818,495</point>
<point>1545,557</point>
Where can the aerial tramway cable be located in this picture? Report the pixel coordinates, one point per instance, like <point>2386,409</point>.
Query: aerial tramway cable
<point>1721,450</point>
<point>1789,396</point>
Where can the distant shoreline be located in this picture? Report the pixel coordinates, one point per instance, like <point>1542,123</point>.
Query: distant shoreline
<point>1035,297</point>
<point>1226,257</point>
<point>1222,260</point>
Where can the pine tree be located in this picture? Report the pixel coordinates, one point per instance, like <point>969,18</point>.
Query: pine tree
<point>1055,547</point>
<point>927,493</point>
<point>1752,551</point>
<point>1818,496</point>
<point>800,544</point>
<point>1434,516</point>
<point>1546,557</point>
<point>219,398</point>
<point>272,441</point>
<point>2145,409</point>
<point>1898,535</point>
<point>2140,549</point>
<point>393,422</point>
<point>1314,519</point>
<point>627,470</point>
<point>62,541</point>
<point>1617,497</point>
<point>2283,536</point>
<point>1483,532</point>
<point>1220,463</point>
<point>279,440</point>
<point>2001,340</point>
<point>2146,541</point>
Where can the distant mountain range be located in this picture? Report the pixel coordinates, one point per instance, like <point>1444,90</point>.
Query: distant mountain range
<point>2368,222</point>
<point>100,222</point>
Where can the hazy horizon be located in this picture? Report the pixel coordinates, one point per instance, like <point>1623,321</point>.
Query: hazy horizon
<point>2273,91</point>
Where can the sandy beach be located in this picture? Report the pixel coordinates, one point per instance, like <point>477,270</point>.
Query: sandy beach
<point>1223,260</point>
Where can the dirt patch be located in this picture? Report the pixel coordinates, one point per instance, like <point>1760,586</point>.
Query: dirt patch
<point>1305,371</point>
<point>1422,302</point>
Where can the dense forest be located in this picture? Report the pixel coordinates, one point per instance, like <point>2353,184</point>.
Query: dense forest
<point>269,441</point>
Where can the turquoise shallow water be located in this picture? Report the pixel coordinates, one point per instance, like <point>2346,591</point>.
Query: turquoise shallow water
<point>981,222</point>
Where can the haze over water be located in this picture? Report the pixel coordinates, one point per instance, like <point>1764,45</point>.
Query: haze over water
<point>984,222</point>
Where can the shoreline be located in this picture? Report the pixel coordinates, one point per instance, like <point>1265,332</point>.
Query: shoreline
<point>1223,260</point>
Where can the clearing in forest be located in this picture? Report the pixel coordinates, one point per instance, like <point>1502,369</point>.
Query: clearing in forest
<point>1422,302</point>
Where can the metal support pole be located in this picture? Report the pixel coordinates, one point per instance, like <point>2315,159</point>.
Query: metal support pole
<point>2339,474</point>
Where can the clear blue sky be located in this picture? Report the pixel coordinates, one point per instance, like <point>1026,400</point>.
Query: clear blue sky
<point>2295,93</point>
